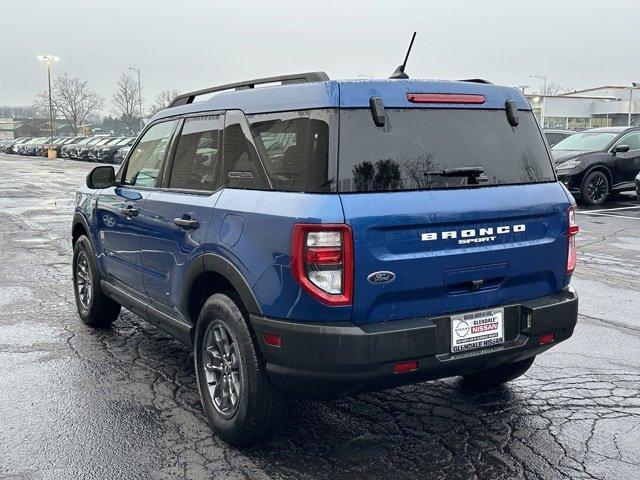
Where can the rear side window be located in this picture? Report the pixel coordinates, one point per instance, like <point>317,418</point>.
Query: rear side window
<point>294,147</point>
<point>439,148</point>
<point>145,161</point>
<point>242,166</point>
<point>195,162</point>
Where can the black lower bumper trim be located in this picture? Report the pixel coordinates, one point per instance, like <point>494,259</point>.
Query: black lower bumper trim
<point>326,360</point>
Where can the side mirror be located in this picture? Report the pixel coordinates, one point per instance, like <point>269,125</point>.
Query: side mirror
<point>620,149</point>
<point>101,177</point>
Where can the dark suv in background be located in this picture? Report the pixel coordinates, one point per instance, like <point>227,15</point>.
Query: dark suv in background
<point>599,163</point>
<point>555,135</point>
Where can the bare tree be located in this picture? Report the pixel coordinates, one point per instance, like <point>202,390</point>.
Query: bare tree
<point>20,111</point>
<point>71,98</point>
<point>126,104</point>
<point>553,88</point>
<point>163,100</point>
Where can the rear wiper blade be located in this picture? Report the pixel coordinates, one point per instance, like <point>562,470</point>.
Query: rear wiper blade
<point>458,172</point>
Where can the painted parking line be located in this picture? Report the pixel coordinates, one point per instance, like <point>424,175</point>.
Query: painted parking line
<point>611,215</point>
<point>608,209</point>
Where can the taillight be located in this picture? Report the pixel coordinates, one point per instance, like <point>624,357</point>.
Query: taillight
<point>445,98</point>
<point>322,261</point>
<point>572,231</point>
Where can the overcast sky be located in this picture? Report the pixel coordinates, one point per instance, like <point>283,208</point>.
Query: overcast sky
<point>194,44</point>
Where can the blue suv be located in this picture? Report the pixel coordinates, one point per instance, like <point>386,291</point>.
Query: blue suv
<point>321,238</point>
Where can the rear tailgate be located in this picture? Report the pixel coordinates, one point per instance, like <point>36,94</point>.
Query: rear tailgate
<point>455,250</point>
<point>460,206</point>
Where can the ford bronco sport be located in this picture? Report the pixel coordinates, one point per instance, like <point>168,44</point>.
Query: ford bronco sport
<point>320,238</point>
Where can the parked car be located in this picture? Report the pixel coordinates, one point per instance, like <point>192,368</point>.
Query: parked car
<point>43,149</point>
<point>82,151</point>
<point>66,141</point>
<point>367,250</point>
<point>93,151</point>
<point>121,154</point>
<point>555,135</point>
<point>4,143</point>
<point>638,186</point>
<point>32,148</point>
<point>67,150</point>
<point>598,163</point>
<point>18,147</point>
<point>108,152</point>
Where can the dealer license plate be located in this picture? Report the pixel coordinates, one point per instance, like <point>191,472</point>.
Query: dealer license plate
<point>473,330</point>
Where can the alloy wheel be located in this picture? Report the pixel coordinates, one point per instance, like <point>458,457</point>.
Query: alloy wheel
<point>84,285</point>
<point>597,189</point>
<point>222,368</point>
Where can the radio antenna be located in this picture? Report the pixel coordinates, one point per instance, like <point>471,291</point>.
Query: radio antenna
<point>399,73</point>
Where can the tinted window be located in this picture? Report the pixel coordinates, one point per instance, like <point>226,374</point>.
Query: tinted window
<point>554,138</point>
<point>196,157</point>
<point>632,139</point>
<point>145,161</point>
<point>242,167</point>
<point>438,148</point>
<point>586,141</point>
<point>294,147</point>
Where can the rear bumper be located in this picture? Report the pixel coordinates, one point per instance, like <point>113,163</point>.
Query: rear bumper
<point>337,359</point>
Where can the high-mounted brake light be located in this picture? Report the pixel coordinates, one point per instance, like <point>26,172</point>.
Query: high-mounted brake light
<point>572,231</point>
<point>322,261</point>
<point>445,98</point>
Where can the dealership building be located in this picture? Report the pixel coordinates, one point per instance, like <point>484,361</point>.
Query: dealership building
<point>606,106</point>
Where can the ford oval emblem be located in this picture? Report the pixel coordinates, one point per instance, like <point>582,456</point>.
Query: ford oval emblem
<point>381,277</point>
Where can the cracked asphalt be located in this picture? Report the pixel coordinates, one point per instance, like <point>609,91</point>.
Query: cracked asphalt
<point>123,403</point>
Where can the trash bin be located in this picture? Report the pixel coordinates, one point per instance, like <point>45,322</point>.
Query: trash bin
<point>51,153</point>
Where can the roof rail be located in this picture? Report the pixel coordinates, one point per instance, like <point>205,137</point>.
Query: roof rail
<point>476,80</point>
<point>307,77</point>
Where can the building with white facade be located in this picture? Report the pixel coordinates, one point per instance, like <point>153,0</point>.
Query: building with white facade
<point>595,107</point>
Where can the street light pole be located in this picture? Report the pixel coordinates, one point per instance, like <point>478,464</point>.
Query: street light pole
<point>49,59</point>
<point>137,70</point>
<point>544,95</point>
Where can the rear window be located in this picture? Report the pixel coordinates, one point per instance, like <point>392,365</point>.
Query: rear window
<point>437,148</point>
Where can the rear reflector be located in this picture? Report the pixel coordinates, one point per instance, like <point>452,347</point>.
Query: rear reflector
<point>445,98</point>
<point>545,339</point>
<point>324,255</point>
<point>272,339</point>
<point>572,251</point>
<point>405,367</point>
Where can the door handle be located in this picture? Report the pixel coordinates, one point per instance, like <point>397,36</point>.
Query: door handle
<point>129,211</point>
<point>186,223</point>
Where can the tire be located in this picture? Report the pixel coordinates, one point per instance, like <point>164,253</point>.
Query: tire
<point>95,308</point>
<point>499,375</point>
<point>595,188</point>
<point>259,409</point>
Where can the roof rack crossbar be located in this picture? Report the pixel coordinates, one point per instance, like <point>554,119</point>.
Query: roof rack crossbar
<point>307,77</point>
<point>476,80</point>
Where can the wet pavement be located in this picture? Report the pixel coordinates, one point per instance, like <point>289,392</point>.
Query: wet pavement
<point>122,403</point>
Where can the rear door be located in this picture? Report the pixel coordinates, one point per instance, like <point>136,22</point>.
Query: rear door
<point>451,210</point>
<point>177,217</point>
<point>628,163</point>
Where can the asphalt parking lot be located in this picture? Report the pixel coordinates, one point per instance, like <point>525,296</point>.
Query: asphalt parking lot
<point>122,403</point>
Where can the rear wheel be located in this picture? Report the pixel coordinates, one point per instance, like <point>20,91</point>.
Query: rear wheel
<point>94,307</point>
<point>241,404</point>
<point>595,188</point>
<point>499,375</point>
